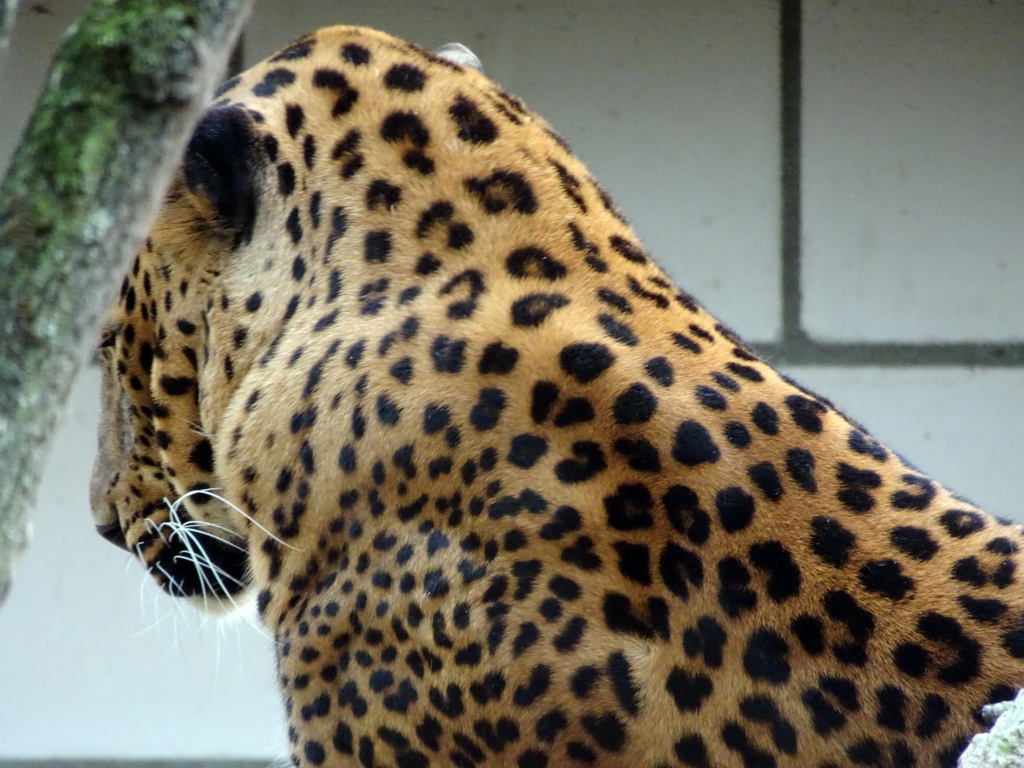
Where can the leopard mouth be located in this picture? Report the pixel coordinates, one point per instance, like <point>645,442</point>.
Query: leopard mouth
<point>192,558</point>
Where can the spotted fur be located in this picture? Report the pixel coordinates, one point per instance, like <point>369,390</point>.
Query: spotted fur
<point>504,494</point>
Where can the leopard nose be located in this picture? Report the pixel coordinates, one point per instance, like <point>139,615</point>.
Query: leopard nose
<point>112,532</point>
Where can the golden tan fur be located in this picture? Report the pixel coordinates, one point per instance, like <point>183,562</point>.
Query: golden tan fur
<point>753,661</point>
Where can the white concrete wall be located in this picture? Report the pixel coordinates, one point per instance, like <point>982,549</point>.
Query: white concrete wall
<point>914,170</point>
<point>913,189</point>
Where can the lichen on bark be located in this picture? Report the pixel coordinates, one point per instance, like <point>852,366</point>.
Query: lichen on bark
<point>1003,745</point>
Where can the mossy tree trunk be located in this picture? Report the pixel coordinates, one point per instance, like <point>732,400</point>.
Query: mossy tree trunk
<point>123,94</point>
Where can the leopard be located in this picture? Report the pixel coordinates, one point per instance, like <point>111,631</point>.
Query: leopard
<point>393,368</point>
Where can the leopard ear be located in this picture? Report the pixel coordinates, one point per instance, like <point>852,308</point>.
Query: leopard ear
<point>220,168</point>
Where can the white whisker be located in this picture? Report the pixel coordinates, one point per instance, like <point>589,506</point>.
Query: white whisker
<point>156,529</point>
<point>172,582</point>
<point>210,492</point>
<point>195,529</point>
<point>197,429</point>
<point>201,560</point>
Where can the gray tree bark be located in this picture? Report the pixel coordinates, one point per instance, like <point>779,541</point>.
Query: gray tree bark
<point>1003,745</point>
<point>124,93</point>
